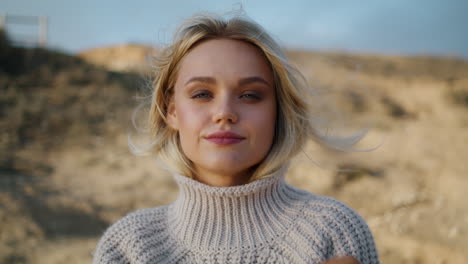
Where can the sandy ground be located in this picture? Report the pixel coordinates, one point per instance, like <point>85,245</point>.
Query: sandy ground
<point>56,199</point>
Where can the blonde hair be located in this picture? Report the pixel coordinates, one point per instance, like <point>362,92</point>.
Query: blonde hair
<point>294,124</point>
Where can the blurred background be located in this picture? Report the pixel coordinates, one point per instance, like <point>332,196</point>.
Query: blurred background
<point>73,72</point>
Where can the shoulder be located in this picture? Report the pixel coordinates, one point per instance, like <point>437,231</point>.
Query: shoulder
<point>329,217</point>
<point>137,221</point>
<point>346,231</point>
<point>331,210</point>
<point>327,210</point>
<point>120,239</point>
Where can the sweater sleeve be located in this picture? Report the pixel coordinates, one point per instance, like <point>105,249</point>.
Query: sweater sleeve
<point>111,246</point>
<point>349,234</point>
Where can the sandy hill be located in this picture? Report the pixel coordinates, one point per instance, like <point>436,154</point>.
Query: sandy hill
<point>66,172</point>
<point>125,58</point>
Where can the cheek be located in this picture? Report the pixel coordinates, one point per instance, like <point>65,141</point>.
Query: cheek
<point>190,121</point>
<point>270,123</point>
<point>263,122</point>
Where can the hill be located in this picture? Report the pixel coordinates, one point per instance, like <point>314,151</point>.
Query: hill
<point>124,58</point>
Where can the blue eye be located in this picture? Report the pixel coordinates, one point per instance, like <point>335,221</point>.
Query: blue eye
<point>202,95</point>
<point>250,96</point>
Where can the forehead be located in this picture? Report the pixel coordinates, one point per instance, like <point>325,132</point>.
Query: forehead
<point>225,58</point>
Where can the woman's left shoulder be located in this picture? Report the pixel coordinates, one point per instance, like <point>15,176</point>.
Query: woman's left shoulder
<point>346,230</point>
<point>330,208</point>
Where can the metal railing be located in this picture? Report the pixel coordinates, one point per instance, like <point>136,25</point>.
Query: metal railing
<point>38,39</point>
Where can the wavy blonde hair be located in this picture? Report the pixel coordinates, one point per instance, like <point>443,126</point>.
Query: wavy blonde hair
<point>295,123</point>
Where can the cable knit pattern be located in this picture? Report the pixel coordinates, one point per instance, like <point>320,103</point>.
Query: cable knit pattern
<point>266,221</point>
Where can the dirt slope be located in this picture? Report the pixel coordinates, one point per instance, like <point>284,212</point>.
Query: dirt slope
<point>125,58</point>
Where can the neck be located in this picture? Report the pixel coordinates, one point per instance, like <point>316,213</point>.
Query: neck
<point>223,179</point>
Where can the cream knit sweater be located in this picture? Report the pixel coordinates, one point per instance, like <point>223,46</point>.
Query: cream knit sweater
<point>266,221</point>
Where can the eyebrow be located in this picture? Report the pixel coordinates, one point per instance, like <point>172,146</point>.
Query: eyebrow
<point>243,81</point>
<point>253,79</point>
<point>201,79</point>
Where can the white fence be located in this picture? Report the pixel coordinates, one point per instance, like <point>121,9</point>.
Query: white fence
<point>39,23</point>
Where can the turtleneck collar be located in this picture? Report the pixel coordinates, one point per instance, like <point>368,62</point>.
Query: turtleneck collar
<point>232,217</point>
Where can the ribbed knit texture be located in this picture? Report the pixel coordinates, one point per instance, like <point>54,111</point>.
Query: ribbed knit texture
<point>266,221</point>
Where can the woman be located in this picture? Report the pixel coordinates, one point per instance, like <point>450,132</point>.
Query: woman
<point>228,113</point>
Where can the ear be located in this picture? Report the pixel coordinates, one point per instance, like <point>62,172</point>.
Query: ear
<point>171,117</point>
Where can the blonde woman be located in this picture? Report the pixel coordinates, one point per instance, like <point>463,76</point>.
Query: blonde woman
<point>228,113</point>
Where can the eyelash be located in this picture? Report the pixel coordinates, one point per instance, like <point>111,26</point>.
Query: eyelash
<point>251,96</point>
<point>201,95</point>
<point>206,95</point>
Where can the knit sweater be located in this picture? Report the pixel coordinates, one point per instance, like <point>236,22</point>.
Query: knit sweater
<point>265,221</point>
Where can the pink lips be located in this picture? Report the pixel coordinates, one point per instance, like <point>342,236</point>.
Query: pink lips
<point>224,138</point>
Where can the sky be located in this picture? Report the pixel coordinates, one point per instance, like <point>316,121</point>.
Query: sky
<point>402,27</point>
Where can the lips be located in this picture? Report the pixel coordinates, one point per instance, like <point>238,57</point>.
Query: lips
<point>224,138</point>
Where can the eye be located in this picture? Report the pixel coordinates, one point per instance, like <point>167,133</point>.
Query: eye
<point>251,96</point>
<point>201,95</point>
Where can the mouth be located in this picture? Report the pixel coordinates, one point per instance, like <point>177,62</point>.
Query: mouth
<point>224,138</point>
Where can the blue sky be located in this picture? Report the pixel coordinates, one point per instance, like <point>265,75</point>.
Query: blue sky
<point>368,26</point>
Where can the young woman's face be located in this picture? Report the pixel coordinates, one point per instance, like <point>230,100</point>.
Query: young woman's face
<point>224,107</point>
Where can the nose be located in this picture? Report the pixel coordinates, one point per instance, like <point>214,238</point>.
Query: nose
<point>225,112</point>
